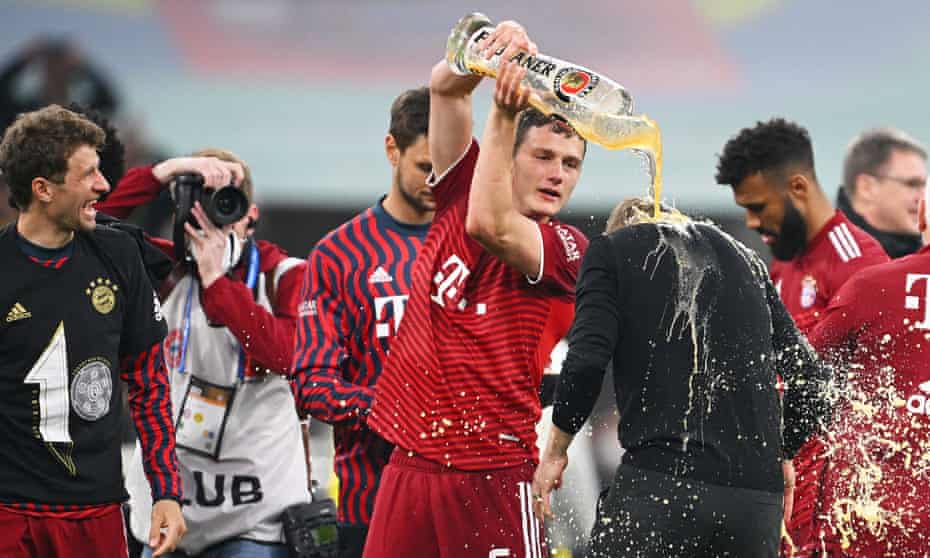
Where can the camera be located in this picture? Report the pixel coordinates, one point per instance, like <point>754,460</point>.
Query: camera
<point>223,206</point>
<point>310,529</point>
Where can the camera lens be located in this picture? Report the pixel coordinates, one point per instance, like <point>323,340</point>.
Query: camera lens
<point>226,205</point>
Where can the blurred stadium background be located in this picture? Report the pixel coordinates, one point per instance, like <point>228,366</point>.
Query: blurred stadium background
<point>301,88</point>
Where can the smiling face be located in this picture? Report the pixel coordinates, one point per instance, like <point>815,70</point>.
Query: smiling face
<point>547,166</point>
<point>896,192</point>
<point>71,203</point>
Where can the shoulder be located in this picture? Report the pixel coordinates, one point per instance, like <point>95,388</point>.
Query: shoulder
<point>574,242</point>
<point>464,166</point>
<point>848,244</point>
<point>114,241</point>
<point>344,233</point>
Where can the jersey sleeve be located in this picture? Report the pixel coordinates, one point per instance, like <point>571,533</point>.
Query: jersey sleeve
<point>268,336</point>
<point>143,322</point>
<point>150,407</point>
<point>323,329</point>
<point>560,257</point>
<point>456,181</point>
<point>872,254</point>
<point>805,404</point>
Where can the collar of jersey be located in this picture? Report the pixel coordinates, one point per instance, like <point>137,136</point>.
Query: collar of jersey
<point>405,229</point>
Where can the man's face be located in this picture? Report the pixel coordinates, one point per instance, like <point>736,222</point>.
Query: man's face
<point>72,203</point>
<point>902,182</point>
<point>771,213</point>
<point>547,167</point>
<point>410,174</point>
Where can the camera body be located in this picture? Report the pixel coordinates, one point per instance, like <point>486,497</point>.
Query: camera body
<point>223,206</point>
<point>310,529</point>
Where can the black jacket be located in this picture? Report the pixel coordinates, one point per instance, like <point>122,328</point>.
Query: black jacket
<point>895,244</point>
<point>696,333</point>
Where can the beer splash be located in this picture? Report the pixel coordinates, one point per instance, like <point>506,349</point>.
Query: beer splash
<point>638,133</point>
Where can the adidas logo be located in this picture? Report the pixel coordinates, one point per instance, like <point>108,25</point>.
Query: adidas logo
<point>18,312</point>
<point>379,275</point>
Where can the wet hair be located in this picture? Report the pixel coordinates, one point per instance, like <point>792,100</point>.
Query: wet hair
<point>409,117</point>
<point>223,155</point>
<point>112,153</point>
<point>38,144</point>
<point>868,152</point>
<point>636,210</point>
<point>532,118</point>
<point>776,146</point>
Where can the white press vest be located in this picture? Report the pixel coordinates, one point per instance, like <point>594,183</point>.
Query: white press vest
<point>261,468</point>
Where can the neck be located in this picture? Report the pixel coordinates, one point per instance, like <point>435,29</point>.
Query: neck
<point>39,230</point>
<point>821,211</point>
<point>398,208</point>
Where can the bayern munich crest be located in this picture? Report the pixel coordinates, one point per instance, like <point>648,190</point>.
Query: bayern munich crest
<point>171,348</point>
<point>91,390</point>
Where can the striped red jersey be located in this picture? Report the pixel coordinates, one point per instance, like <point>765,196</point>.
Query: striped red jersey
<point>353,300</point>
<point>807,282</point>
<point>460,386</point>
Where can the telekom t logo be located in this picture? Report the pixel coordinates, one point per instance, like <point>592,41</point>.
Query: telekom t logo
<point>397,304</point>
<point>449,281</point>
<point>912,302</point>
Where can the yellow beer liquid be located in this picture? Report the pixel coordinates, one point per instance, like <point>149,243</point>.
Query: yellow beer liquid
<point>637,132</point>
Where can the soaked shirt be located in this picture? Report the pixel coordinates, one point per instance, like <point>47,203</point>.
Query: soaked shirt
<point>696,332</point>
<point>877,330</point>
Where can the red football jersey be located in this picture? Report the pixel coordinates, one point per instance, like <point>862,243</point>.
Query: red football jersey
<point>878,326</point>
<point>460,386</point>
<point>807,282</point>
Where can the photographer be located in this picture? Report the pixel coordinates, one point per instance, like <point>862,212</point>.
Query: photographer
<point>230,306</point>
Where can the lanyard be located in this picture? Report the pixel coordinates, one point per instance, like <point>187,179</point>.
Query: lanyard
<point>251,277</point>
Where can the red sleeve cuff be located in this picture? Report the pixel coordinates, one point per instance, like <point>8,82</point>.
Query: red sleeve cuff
<point>219,300</point>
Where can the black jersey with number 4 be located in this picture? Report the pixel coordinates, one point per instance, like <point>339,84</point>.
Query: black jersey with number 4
<point>63,334</point>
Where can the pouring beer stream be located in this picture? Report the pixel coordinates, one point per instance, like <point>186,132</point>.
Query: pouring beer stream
<point>599,109</point>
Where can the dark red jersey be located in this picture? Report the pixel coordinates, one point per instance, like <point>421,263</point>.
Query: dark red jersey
<point>460,385</point>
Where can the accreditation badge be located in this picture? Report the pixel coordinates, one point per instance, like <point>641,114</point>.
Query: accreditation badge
<point>202,418</point>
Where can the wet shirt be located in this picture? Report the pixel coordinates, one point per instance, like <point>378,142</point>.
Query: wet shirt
<point>460,386</point>
<point>877,331</point>
<point>695,332</point>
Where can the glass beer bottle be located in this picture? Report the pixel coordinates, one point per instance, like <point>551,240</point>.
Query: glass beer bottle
<point>599,109</point>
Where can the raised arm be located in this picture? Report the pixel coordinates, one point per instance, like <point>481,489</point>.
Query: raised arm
<point>141,185</point>
<point>493,219</point>
<point>450,115</point>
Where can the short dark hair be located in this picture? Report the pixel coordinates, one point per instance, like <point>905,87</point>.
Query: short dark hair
<point>409,117</point>
<point>532,118</point>
<point>39,144</point>
<point>870,150</point>
<point>774,146</point>
<point>112,152</point>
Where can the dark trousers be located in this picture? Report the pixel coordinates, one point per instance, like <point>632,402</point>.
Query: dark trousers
<point>647,514</point>
<point>352,540</point>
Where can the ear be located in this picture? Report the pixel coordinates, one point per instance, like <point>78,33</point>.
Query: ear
<point>866,187</point>
<point>252,212</point>
<point>391,150</point>
<point>799,188</point>
<point>42,190</point>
